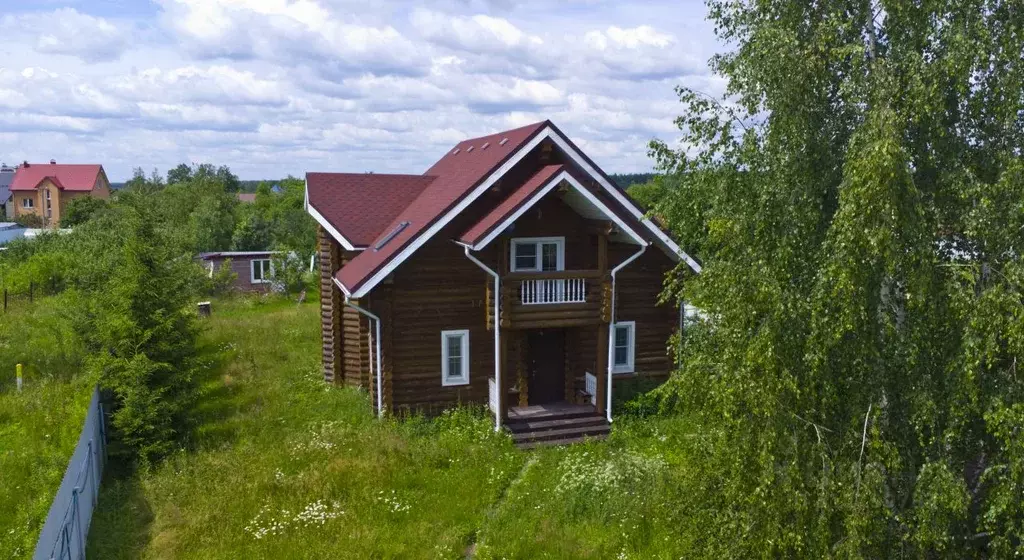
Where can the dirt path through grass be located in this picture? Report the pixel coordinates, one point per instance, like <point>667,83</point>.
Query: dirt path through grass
<point>492,511</point>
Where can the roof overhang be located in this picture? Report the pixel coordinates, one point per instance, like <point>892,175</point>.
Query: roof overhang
<point>583,196</point>
<point>320,219</point>
<point>548,132</point>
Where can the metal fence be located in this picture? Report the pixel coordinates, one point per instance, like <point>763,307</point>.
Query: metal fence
<point>67,524</point>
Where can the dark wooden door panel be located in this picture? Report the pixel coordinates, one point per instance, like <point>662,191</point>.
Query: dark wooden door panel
<point>546,366</point>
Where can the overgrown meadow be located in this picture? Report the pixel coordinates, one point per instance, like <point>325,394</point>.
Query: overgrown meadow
<point>281,465</point>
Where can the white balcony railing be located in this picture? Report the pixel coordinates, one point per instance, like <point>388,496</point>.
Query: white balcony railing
<point>555,290</point>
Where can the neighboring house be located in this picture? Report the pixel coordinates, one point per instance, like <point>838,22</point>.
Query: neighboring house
<point>247,198</point>
<point>6,177</point>
<point>44,189</point>
<point>512,273</point>
<point>253,269</point>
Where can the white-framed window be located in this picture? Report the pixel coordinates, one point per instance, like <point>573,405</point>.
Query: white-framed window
<point>624,349</point>
<point>538,254</point>
<point>260,271</point>
<point>28,203</point>
<point>455,357</point>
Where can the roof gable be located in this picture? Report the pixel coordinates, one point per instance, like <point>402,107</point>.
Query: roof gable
<point>455,182</point>
<point>480,234</point>
<point>462,174</point>
<point>68,177</point>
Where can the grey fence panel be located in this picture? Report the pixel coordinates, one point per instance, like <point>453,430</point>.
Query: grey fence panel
<point>67,524</point>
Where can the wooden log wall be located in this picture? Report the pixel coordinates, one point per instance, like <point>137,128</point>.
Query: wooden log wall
<point>330,307</point>
<point>638,289</point>
<point>437,289</point>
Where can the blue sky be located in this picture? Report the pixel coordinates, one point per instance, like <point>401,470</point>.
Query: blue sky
<point>276,87</point>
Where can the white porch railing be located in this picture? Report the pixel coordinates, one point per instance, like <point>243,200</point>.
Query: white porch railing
<point>591,387</point>
<point>555,290</point>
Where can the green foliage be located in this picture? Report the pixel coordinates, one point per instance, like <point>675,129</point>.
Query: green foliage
<point>81,209</point>
<point>37,438</point>
<point>30,220</point>
<point>223,279</point>
<point>276,221</point>
<point>282,466</point>
<point>858,203</point>
<point>127,283</point>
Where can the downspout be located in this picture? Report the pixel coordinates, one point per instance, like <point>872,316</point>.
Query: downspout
<point>376,320</point>
<point>497,337</point>
<point>611,330</point>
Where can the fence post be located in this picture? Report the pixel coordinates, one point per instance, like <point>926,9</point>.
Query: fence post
<point>31,290</point>
<point>17,369</point>
<point>78,520</point>
<point>95,474</point>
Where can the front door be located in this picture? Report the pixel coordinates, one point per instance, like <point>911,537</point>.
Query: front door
<point>546,366</point>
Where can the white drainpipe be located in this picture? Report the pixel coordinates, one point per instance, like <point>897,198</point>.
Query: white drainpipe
<point>611,329</point>
<point>380,376</point>
<point>497,338</point>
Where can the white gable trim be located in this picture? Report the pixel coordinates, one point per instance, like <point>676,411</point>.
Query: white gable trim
<point>622,199</point>
<point>578,158</point>
<point>327,225</point>
<point>537,196</point>
<point>454,211</point>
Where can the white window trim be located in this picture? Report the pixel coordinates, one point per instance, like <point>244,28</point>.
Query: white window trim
<point>537,241</point>
<point>252,271</point>
<point>27,202</point>
<point>630,365</point>
<point>463,377</point>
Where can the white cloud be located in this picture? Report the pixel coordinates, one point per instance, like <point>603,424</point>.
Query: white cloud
<point>272,87</point>
<point>67,31</point>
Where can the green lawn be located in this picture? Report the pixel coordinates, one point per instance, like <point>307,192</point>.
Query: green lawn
<point>283,466</point>
<point>39,426</point>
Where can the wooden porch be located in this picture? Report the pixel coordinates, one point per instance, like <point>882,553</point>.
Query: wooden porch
<point>559,423</point>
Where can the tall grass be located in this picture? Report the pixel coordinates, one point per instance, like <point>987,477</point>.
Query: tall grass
<point>40,425</point>
<point>281,465</point>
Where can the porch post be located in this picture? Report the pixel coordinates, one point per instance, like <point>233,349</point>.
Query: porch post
<point>602,365</point>
<point>506,380</point>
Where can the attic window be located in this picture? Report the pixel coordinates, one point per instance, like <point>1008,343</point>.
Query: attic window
<point>484,147</point>
<point>503,142</point>
<point>469,149</point>
<point>398,229</point>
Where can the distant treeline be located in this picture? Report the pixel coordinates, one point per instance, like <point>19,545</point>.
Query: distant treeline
<point>623,180</point>
<point>626,180</point>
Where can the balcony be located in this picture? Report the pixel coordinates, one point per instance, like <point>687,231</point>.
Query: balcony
<point>553,299</point>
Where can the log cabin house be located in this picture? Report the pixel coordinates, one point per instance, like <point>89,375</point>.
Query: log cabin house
<point>512,273</point>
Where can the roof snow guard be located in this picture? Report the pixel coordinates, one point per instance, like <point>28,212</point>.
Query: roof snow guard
<point>397,214</point>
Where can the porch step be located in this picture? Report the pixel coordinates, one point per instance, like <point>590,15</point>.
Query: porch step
<point>558,430</point>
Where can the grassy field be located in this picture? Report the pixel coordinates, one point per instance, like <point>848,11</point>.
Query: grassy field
<point>283,466</point>
<point>39,426</point>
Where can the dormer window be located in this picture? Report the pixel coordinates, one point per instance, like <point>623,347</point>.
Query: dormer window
<point>538,254</point>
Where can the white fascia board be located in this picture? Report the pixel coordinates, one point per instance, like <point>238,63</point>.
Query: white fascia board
<point>425,236</point>
<point>624,201</point>
<point>552,183</point>
<point>327,225</point>
<point>341,287</point>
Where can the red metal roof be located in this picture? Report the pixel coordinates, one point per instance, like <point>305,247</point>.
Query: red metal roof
<point>510,204</point>
<point>457,173</point>
<point>69,177</point>
<point>361,205</point>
